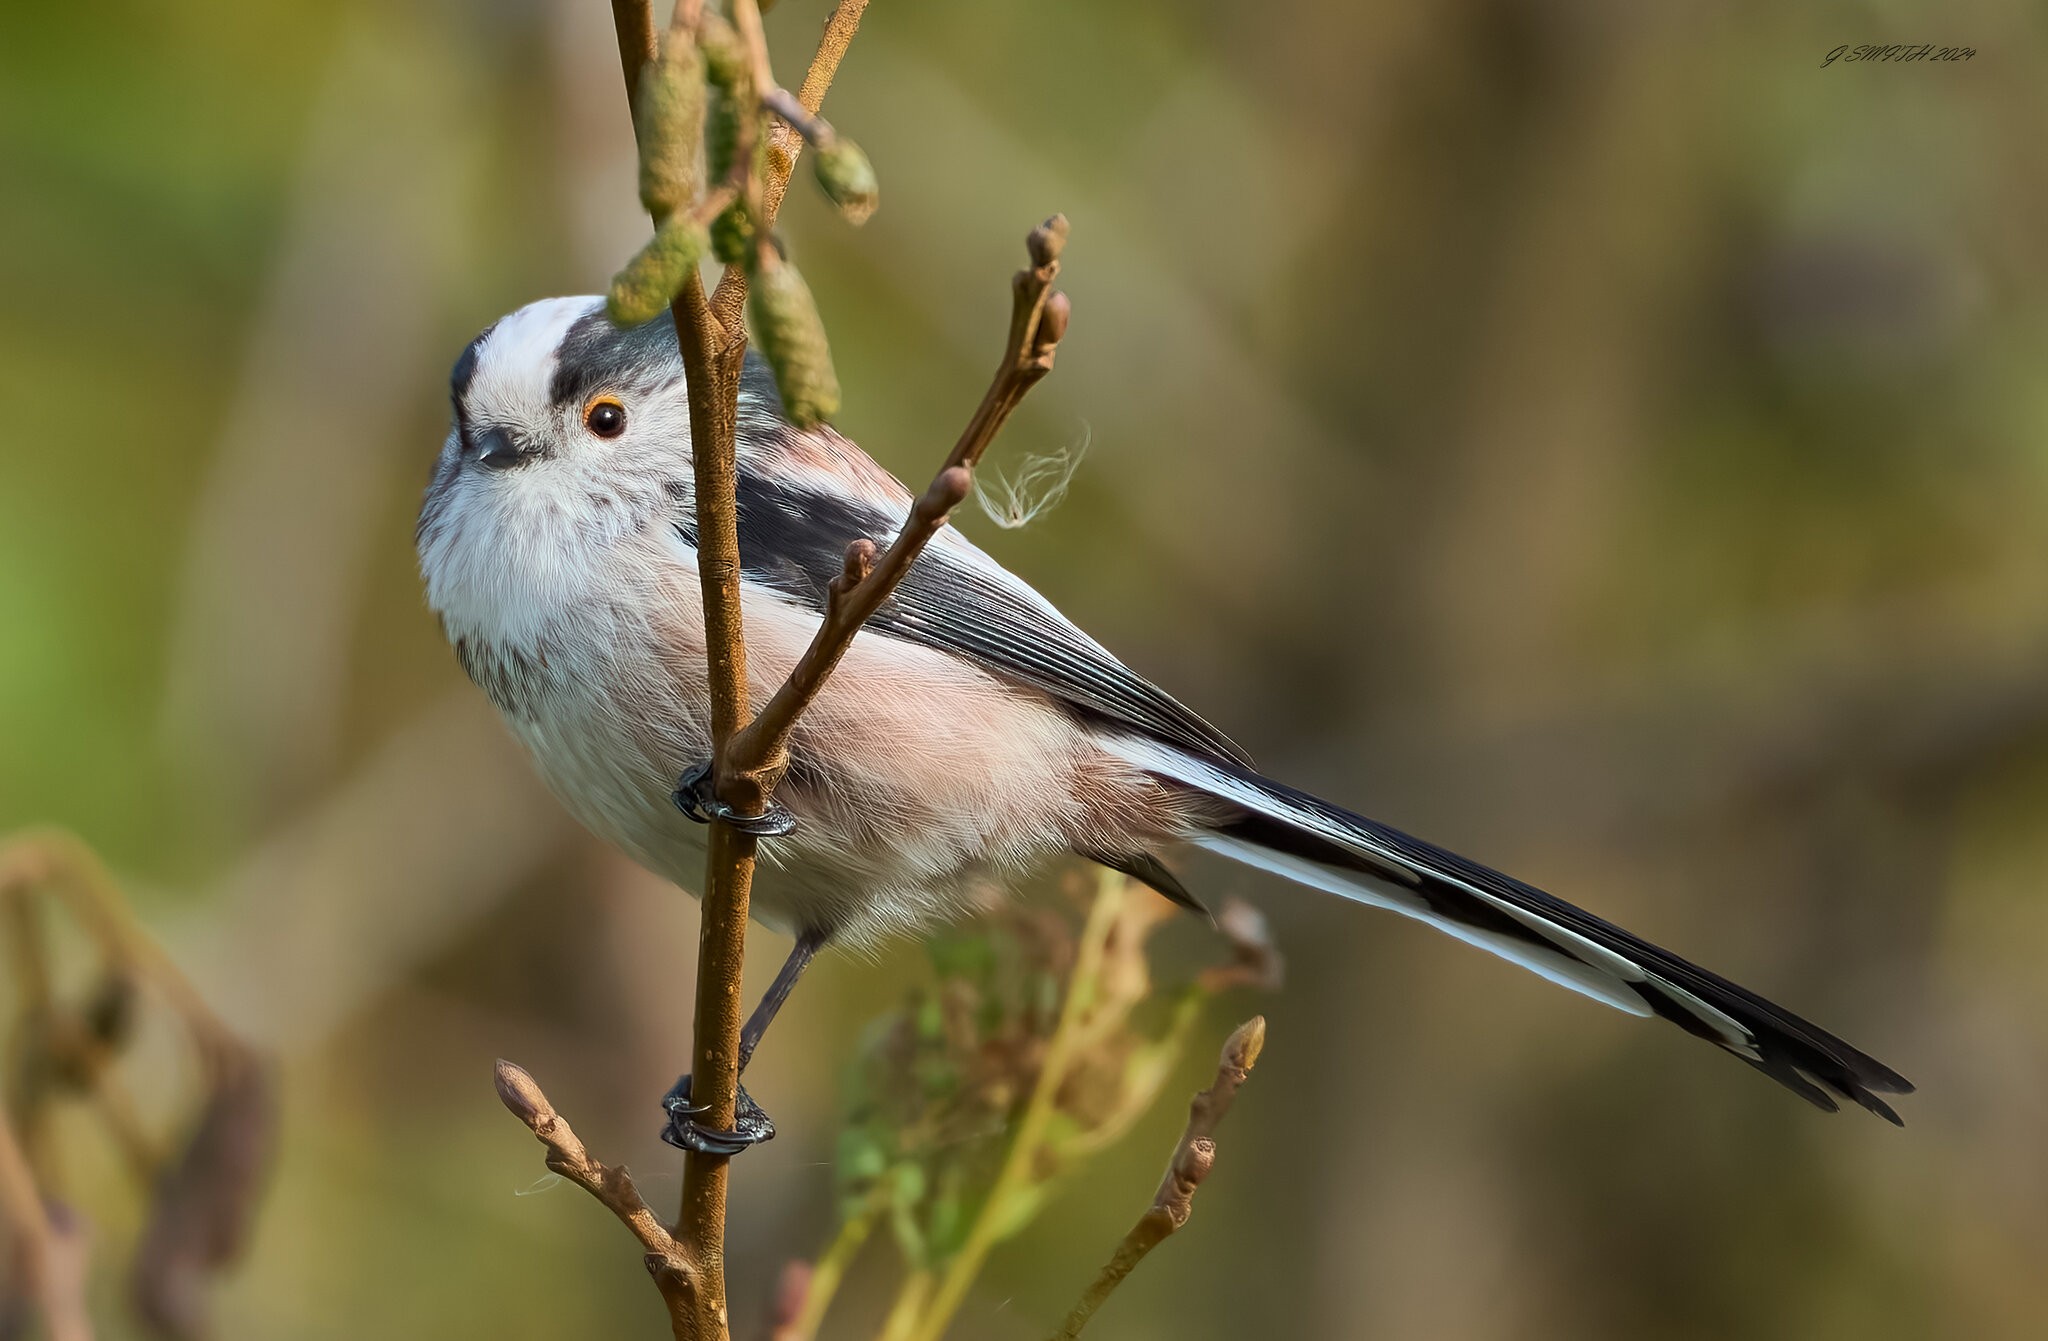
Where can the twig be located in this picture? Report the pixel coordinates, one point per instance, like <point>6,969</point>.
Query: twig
<point>712,342</point>
<point>712,354</point>
<point>52,1249</point>
<point>1038,319</point>
<point>58,861</point>
<point>785,143</point>
<point>37,1007</point>
<point>672,1267</point>
<point>1191,1162</point>
<point>749,755</point>
<point>202,1202</point>
<point>901,1324</point>
<point>786,105</point>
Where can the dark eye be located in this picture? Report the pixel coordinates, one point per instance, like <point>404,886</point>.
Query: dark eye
<point>605,417</point>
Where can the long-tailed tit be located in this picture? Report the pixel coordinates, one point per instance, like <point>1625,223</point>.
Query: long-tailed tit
<point>970,732</point>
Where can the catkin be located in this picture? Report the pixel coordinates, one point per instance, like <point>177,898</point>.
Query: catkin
<point>791,335</point>
<point>732,234</point>
<point>669,120</point>
<point>657,273</point>
<point>848,179</point>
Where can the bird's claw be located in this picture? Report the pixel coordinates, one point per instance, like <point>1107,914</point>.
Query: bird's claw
<point>750,1126</point>
<point>694,797</point>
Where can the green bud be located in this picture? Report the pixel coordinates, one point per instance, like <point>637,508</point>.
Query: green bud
<point>848,179</point>
<point>654,276</point>
<point>668,121</point>
<point>732,235</point>
<point>791,335</point>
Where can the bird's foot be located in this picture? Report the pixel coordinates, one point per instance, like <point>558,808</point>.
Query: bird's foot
<point>694,797</point>
<point>750,1126</point>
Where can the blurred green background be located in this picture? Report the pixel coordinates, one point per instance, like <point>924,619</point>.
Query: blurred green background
<point>1590,434</point>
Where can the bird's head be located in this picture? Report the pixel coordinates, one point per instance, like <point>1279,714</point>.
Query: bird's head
<point>568,433</point>
<point>558,412</point>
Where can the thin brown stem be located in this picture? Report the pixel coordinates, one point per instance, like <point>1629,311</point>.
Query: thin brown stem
<point>633,21</point>
<point>1038,319</point>
<point>784,144</point>
<point>59,862</point>
<point>814,129</point>
<point>840,26</point>
<point>672,1266</point>
<point>712,341</point>
<point>28,1105</point>
<point>1192,1159</point>
<point>690,1271</point>
<point>123,1116</point>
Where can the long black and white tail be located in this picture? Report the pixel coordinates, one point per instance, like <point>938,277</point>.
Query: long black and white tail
<point>1289,832</point>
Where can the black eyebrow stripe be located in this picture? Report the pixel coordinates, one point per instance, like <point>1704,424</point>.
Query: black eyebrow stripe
<point>595,356</point>
<point>464,371</point>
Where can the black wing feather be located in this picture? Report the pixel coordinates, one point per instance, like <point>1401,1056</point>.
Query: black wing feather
<point>1796,1053</point>
<point>794,539</point>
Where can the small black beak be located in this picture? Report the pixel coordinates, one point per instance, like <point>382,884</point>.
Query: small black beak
<point>496,449</point>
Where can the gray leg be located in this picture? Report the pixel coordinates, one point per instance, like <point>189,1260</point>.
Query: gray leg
<point>750,1125</point>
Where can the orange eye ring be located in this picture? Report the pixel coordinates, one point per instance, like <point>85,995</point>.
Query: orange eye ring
<point>604,416</point>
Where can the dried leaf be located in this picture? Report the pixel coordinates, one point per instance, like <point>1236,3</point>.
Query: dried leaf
<point>205,1202</point>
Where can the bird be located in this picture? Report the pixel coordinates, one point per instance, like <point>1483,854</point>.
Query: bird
<point>971,733</point>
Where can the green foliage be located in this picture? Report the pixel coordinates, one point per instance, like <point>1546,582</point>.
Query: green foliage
<point>1033,1046</point>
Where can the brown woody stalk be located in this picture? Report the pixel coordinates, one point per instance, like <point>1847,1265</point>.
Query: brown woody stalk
<point>1038,318</point>
<point>690,1272</point>
<point>749,755</point>
<point>1191,1162</point>
<point>673,1268</point>
<point>690,1269</point>
<point>784,141</point>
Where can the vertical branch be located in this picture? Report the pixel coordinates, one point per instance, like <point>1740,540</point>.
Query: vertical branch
<point>633,20</point>
<point>713,348</point>
<point>711,366</point>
